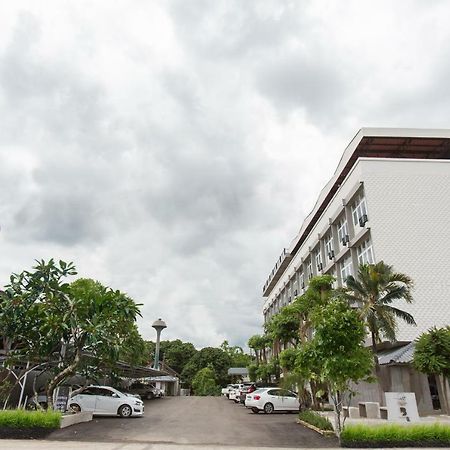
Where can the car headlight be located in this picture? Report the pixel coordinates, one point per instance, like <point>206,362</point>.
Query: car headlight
<point>138,402</point>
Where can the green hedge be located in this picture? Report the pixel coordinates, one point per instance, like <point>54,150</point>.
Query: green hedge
<point>316,419</point>
<point>20,418</point>
<point>396,435</point>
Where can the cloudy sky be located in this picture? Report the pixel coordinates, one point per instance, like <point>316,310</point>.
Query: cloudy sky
<point>172,148</point>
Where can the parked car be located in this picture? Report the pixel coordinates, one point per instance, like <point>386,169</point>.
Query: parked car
<point>270,400</point>
<point>248,388</point>
<point>143,390</point>
<point>106,401</point>
<point>235,392</point>
<point>226,390</point>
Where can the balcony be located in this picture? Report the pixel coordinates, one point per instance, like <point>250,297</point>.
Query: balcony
<point>280,266</point>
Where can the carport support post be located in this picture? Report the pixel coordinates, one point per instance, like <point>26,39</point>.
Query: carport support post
<point>158,325</point>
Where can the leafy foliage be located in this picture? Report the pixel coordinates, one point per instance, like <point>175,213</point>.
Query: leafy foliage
<point>316,419</point>
<point>432,352</point>
<point>20,418</point>
<point>216,358</point>
<point>396,435</point>
<point>62,324</point>
<point>375,288</point>
<point>204,382</point>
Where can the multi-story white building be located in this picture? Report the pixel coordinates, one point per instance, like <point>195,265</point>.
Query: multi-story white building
<point>389,200</point>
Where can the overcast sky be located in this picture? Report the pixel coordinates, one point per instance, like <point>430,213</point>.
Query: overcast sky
<point>171,149</point>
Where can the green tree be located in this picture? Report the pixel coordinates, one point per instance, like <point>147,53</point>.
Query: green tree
<point>177,353</point>
<point>216,358</point>
<point>375,288</point>
<point>204,382</point>
<point>432,357</point>
<point>259,344</point>
<point>237,355</point>
<point>336,355</point>
<point>65,327</point>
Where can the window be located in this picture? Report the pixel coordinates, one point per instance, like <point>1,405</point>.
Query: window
<point>309,270</point>
<point>302,281</point>
<point>359,210</point>
<point>318,258</point>
<point>365,253</point>
<point>346,268</point>
<point>343,231</point>
<point>329,251</point>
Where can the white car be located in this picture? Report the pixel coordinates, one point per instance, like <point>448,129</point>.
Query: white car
<point>106,401</point>
<point>272,399</point>
<point>226,390</point>
<point>235,392</point>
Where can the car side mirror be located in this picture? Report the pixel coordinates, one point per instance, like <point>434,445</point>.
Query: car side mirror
<point>115,395</point>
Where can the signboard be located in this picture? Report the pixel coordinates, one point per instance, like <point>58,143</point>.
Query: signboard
<point>62,397</point>
<point>402,406</point>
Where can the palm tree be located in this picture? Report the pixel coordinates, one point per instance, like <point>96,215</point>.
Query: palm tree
<point>376,287</point>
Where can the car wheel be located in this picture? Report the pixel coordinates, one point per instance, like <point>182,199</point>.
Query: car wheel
<point>268,408</point>
<point>125,411</point>
<point>75,407</point>
<point>150,396</point>
<point>255,410</point>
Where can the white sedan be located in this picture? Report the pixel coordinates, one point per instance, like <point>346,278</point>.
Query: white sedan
<point>272,399</point>
<point>106,401</point>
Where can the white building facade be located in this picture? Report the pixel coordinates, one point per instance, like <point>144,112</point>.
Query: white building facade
<point>389,200</point>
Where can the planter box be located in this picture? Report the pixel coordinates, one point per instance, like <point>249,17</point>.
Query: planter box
<point>24,433</point>
<point>392,444</point>
<point>72,419</point>
<point>317,430</point>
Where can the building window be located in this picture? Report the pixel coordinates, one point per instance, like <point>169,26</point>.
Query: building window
<point>309,270</point>
<point>365,253</point>
<point>359,211</point>
<point>302,281</point>
<point>318,260</point>
<point>343,231</point>
<point>346,268</point>
<point>329,250</point>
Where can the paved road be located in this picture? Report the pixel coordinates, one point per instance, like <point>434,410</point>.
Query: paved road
<point>201,421</point>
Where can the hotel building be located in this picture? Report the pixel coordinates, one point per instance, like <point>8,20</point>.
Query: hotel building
<point>389,200</point>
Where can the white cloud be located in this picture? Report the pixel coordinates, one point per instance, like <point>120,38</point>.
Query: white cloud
<point>171,149</point>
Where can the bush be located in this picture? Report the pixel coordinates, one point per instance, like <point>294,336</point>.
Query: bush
<point>396,435</point>
<point>19,418</point>
<point>204,383</point>
<point>316,419</point>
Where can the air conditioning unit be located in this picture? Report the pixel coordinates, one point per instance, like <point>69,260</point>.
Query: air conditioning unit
<point>331,254</point>
<point>345,240</point>
<point>362,220</point>
<point>320,267</point>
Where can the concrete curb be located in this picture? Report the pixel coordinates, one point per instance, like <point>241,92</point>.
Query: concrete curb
<point>317,430</point>
<point>72,419</point>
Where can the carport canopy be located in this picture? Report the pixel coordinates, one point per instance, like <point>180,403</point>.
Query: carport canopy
<point>127,371</point>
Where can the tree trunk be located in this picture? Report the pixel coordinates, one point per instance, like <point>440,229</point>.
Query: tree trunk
<point>69,370</point>
<point>381,384</point>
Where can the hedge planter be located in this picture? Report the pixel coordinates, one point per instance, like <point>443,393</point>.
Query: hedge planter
<point>314,421</point>
<point>20,424</point>
<point>395,435</point>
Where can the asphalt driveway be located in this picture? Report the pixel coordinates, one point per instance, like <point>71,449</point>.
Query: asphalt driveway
<point>198,420</point>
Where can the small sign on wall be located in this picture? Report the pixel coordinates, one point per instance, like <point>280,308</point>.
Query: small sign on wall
<point>402,406</point>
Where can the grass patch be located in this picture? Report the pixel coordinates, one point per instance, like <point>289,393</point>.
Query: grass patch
<point>396,435</point>
<point>20,419</point>
<point>316,419</point>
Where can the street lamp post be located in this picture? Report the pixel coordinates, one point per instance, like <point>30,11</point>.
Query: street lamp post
<point>158,325</point>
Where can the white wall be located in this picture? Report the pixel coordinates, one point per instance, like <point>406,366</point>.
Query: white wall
<point>409,216</point>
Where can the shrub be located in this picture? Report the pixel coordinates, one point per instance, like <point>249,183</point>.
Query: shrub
<point>19,418</point>
<point>204,382</point>
<point>394,435</point>
<point>316,419</point>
